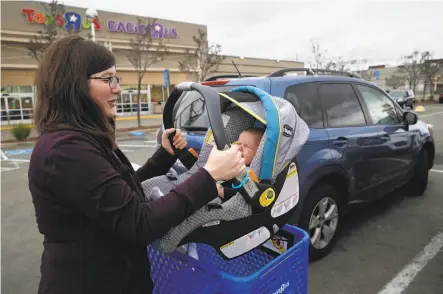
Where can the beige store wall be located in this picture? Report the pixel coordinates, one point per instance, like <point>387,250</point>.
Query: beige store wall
<point>16,77</point>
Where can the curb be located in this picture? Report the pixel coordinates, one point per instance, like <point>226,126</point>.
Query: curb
<point>13,142</point>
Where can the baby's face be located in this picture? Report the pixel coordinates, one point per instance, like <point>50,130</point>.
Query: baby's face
<point>248,143</point>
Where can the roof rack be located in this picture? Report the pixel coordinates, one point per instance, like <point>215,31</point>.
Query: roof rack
<point>311,71</point>
<point>220,77</point>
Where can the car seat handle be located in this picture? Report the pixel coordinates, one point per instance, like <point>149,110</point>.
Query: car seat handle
<point>212,101</point>
<point>186,157</point>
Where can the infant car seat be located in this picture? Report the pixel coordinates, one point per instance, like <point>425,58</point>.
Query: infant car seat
<point>267,193</point>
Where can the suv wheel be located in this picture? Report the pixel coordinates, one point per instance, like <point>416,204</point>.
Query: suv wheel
<point>419,182</point>
<point>321,219</point>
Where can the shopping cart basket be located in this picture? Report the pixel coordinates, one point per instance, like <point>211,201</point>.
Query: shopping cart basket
<point>277,267</point>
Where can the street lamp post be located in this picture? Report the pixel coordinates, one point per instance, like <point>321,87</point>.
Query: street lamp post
<point>92,14</point>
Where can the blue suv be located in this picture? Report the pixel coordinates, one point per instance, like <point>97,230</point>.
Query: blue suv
<point>362,144</point>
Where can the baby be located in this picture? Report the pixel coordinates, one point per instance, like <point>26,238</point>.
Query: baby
<point>248,142</point>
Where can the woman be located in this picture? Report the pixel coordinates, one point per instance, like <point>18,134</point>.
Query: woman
<point>88,200</point>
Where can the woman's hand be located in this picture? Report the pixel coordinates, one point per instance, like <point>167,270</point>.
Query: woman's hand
<point>179,140</point>
<point>220,190</point>
<point>226,164</point>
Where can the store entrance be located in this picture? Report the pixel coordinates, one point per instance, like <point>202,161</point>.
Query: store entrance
<point>127,103</point>
<point>16,108</point>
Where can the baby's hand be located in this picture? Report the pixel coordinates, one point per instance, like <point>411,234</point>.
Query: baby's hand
<point>220,190</point>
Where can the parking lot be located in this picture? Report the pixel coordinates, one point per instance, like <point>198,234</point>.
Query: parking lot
<point>391,246</point>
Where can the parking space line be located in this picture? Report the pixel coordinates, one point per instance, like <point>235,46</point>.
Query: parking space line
<point>126,150</point>
<point>16,160</point>
<point>441,112</point>
<point>402,280</point>
<point>3,155</point>
<point>437,170</point>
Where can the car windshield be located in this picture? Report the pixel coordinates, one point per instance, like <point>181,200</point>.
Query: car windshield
<point>190,110</point>
<point>398,94</point>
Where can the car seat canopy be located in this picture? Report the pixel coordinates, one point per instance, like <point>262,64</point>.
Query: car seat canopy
<point>284,135</point>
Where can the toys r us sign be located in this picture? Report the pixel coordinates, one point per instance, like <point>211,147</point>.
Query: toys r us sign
<point>70,20</point>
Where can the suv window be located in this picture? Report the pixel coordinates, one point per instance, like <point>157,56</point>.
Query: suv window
<point>341,105</point>
<point>305,100</point>
<point>381,108</point>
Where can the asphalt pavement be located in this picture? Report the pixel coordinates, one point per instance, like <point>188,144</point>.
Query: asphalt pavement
<point>391,246</point>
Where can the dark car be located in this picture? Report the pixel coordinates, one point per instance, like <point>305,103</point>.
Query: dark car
<point>403,97</point>
<point>362,145</point>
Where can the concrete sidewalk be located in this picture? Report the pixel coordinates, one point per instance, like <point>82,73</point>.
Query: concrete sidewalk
<point>120,125</point>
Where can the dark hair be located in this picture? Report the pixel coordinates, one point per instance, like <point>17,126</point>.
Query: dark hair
<point>62,87</point>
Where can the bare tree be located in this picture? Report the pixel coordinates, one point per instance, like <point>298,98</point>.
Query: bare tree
<point>144,52</point>
<point>319,56</point>
<point>429,70</point>
<point>395,81</point>
<point>411,69</point>
<point>367,74</point>
<point>51,32</point>
<point>204,59</point>
<point>323,62</point>
<point>339,64</point>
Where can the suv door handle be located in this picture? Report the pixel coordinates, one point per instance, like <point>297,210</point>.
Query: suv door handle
<point>340,141</point>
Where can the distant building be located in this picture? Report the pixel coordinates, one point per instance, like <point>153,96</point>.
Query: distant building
<point>379,75</point>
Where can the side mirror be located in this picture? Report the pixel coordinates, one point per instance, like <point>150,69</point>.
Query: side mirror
<point>410,118</point>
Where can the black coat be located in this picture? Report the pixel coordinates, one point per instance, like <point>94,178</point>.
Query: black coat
<point>94,217</point>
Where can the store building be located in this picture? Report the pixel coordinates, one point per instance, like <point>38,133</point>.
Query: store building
<point>22,20</point>
<point>379,75</point>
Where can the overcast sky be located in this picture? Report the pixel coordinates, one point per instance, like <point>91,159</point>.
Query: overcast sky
<point>378,31</point>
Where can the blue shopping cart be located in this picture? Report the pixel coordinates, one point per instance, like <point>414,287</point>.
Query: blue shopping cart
<point>261,270</point>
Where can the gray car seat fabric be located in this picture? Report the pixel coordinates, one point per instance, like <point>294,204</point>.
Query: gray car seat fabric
<point>293,134</point>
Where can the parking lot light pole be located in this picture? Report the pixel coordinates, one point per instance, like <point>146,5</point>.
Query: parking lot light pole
<point>92,14</point>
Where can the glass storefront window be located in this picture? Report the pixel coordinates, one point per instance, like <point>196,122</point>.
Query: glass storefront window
<point>25,89</point>
<point>133,87</point>
<point>27,107</point>
<point>156,94</point>
<point>16,89</point>
<point>14,108</point>
<point>26,102</point>
<point>3,109</point>
<point>17,103</point>
<point>10,89</point>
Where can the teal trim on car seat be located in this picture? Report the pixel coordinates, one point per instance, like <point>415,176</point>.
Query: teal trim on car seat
<point>273,131</point>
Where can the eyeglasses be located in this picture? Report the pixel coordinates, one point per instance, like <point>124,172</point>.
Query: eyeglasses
<point>113,81</point>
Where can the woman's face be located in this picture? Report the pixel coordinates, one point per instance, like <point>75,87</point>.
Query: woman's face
<point>103,88</point>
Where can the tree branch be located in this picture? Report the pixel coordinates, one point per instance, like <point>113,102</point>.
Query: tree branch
<point>144,52</point>
<point>204,59</point>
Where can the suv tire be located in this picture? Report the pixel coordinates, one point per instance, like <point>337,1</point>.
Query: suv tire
<point>326,195</point>
<point>419,182</point>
